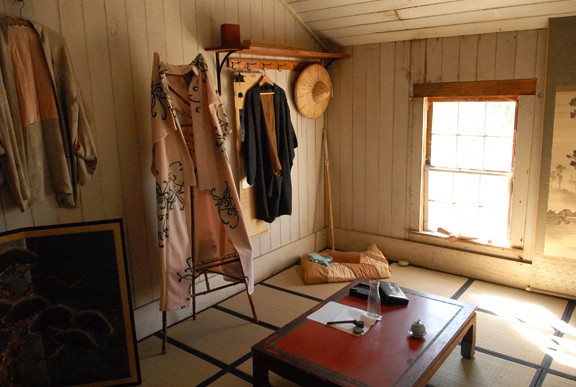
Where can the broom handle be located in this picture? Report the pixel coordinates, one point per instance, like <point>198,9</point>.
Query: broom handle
<point>328,183</point>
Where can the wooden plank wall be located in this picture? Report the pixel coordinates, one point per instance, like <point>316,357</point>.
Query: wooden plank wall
<point>375,130</point>
<point>112,44</point>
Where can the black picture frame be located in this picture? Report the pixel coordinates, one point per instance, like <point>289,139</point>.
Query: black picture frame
<point>66,313</point>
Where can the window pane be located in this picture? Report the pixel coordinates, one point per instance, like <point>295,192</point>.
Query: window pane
<point>440,186</point>
<point>439,215</point>
<point>465,220</point>
<point>471,118</point>
<point>500,117</point>
<point>445,117</point>
<point>443,151</point>
<point>493,224</point>
<point>498,154</point>
<point>495,192</point>
<point>466,189</point>
<point>470,152</point>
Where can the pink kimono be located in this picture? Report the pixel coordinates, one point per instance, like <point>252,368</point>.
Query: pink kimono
<point>196,198</point>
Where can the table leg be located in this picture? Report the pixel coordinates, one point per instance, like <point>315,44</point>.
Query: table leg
<point>260,371</point>
<point>468,342</point>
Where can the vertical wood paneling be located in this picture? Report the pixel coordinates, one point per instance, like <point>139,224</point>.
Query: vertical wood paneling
<point>189,29</point>
<point>319,221</point>
<point>450,59</point>
<point>359,111</point>
<point>173,23</point>
<point>400,139</point>
<point>525,65</point>
<point>372,96</point>
<point>268,27</point>
<point>290,79</point>
<point>256,19</point>
<point>536,149</point>
<point>505,55</point>
<point>486,57</point>
<point>125,117</point>
<point>386,146</point>
<point>347,68</point>
<point>218,17</point>
<point>468,58</point>
<point>414,168</point>
<point>279,22</point>
<point>303,170</point>
<point>433,60</point>
<point>333,136</point>
<point>103,112</point>
<point>145,273</point>
<point>313,174</point>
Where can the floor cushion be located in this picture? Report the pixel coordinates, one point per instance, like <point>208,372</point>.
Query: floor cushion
<point>345,266</point>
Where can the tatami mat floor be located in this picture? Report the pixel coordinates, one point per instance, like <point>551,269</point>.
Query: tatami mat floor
<point>523,338</point>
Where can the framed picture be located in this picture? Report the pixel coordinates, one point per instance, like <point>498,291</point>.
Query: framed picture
<point>65,307</point>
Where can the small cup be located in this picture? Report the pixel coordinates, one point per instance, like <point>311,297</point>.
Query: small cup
<point>418,328</point>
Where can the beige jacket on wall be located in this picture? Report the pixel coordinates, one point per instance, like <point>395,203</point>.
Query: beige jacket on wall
<point>45,141</point>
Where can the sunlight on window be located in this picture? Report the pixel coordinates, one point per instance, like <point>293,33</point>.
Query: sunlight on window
<point>469,167</point>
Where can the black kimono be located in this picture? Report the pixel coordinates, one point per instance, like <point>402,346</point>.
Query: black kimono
<point>267,162</point>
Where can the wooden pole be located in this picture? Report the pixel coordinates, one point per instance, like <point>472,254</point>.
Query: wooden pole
<point>328,185</point>
<point>164,332</point>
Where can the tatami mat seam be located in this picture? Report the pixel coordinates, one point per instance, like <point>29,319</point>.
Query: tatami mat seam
<point>538,378</point>
<point>234,365</point>
<point>244,317</point>
<point>279,288</point>
<point>462,289</point>
<point>231,368</point>
<point>569,311</point>
<point>503,356</point>
<point>560,374</point>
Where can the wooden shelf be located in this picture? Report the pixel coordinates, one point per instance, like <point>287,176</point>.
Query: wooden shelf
<point>278,51</point>
<point>268,51</point>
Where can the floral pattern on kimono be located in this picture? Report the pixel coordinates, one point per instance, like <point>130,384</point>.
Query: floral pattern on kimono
<point>199,215</point>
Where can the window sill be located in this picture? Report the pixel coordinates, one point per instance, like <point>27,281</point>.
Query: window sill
<point>474,246</point>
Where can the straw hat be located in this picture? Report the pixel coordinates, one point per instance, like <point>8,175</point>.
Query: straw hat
<point>313,91</point>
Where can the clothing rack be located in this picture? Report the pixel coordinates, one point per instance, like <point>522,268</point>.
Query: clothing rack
<point>204,268</point>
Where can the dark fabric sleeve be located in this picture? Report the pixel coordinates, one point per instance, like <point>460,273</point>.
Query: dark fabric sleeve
<point>290,132</point>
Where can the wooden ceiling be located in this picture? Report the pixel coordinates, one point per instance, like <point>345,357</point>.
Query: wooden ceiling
<point>355,22</point>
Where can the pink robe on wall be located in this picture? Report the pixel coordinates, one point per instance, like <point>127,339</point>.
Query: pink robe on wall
<point>197,203</point>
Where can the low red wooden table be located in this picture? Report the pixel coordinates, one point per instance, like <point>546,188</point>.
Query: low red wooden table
<point>310,353</point>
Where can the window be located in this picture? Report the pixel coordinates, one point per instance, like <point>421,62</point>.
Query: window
<point>469,165</point>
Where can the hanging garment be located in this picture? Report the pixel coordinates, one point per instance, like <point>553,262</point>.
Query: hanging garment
<point>197,202</point>
<point>268,151</point>
<point>46,145</point>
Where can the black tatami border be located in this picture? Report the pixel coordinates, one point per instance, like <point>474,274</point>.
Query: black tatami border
<point>541,370</point>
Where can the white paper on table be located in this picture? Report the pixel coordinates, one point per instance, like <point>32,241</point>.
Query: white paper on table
<point>333,311</point>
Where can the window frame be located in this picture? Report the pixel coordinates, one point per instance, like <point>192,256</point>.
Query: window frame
<point>426,167</point>
<point>524,90</point>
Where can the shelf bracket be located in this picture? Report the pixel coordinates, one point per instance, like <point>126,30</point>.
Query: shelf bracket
<point>220,65</point>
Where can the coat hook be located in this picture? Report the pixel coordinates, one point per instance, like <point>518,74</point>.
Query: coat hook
<point>22,6</point>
